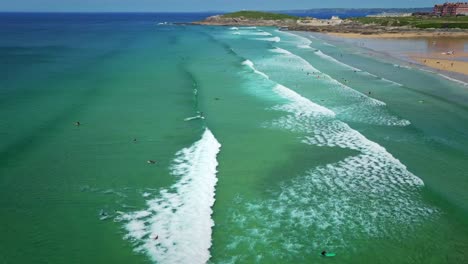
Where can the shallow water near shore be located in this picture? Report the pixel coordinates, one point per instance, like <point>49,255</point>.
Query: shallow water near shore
<point>222,145</point>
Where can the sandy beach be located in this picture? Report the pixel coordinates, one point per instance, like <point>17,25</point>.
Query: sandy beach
<point>441,51</point>
<point>445,65</point>
<point>402,35</point>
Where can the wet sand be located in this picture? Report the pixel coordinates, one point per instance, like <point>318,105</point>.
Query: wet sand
<point>403,35</point>
<point>445,65</point>
<point>443,52</point>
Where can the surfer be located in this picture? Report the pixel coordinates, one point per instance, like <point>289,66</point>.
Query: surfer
<point>77,123</point>
<point>151,161</point>
<point>324,253</point>
<point>156,237</point>
<point>134,140</point>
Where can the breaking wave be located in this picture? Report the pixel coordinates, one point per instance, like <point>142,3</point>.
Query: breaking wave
<point>176,225</point>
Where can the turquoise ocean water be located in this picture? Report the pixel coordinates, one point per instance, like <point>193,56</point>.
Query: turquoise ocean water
<point>268,146</point>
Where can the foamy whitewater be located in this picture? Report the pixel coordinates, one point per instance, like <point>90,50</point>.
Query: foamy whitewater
<point>370,193</point>
<point>361,107</point>
<point>179,216</point>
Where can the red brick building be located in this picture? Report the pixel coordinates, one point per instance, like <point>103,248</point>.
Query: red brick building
<point>451,9</point>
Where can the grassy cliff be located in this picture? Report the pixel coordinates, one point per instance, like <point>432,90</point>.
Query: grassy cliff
<point>258,15</point>
<point>417,21</point>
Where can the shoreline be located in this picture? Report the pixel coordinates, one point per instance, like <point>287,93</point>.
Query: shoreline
<point>432,62</point>
<point>401,35</point>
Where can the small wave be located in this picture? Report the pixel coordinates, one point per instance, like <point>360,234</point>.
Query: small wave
<point>280,51</point>
<point>274,39</point>
<point>194,118</point>
<point>250,64</point>
<point>401,66</point>
<point>364,196</point>
<point>324,77</point>
<point>359,107</point>
<point>330,58</point>
<point>452,79</point>
<point>299,40</point>
<point>176,226</point>
<point>392,82</point>
<point>234,28</point>
<point>304,46</point>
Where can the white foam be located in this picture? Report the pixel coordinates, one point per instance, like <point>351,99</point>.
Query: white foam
<point>250,64</point>
<point>401,66</point>
<point>262,33</point>
<point>280,51</point>
<point>274,39</point>
<point>330,58</point>
<point>299,40</point>
<point>360,107</point>
<point>234,28</point>
<point>301,106</point>
<point>328,44</point>
<point>369,194</point>
<point>324,77</point>
<point>180,216</point>
<point>194,118</point>
<point>392,82</point>
<point>453,80</point>
<point>236,33</point>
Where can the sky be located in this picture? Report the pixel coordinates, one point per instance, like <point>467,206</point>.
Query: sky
<point>197,5</point>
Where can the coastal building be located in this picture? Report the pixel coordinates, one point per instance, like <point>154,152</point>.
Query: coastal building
<point>451,9</point>
<point>308,21</point>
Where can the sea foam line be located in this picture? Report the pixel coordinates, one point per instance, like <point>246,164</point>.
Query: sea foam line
<point>360,108</point>
<point>176,225</point>
<point>326,77</point>
<point>274,39</point>
<point>301,40</point>
<point>452,79</point>
<point>330,58</point>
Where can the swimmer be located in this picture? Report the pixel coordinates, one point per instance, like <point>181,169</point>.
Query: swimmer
<point>151,161</point>
<point>77,123</point>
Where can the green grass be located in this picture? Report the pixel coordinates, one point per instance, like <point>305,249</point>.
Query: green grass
<point>259,15</point>
<point>418,22</point>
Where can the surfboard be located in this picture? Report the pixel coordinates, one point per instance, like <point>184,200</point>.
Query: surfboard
<point>330,254</point>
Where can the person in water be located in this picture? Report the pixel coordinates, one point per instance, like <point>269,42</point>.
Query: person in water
<point>77,123</point>
<point>324,253</point>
